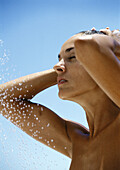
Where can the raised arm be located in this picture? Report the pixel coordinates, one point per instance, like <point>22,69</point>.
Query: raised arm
<point>36,120</point>
<point>99,55</point>
<point>28,86</point>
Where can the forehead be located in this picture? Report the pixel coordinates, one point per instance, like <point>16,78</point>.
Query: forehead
<point>69,43</point>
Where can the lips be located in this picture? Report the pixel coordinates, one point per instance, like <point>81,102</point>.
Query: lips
<point>61,80</point>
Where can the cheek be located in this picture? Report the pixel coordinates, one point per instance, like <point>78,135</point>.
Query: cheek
<point>82,79</point>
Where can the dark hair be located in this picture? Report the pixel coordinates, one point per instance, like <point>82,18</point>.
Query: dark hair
<point>89,32</point>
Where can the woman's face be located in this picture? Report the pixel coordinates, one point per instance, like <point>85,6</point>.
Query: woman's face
<point>73,80</point>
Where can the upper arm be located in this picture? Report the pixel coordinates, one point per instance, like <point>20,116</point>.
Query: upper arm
<point>101,63</point>
<point>39,122</point>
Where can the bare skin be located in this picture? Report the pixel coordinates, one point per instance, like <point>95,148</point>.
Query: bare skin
<point>80,79</point>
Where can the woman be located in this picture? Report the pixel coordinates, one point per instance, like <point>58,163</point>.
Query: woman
<point>88,74</point>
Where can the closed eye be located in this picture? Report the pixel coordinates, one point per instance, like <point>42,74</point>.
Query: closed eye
<point>71,57</point>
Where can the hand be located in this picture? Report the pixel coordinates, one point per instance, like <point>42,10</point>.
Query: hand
<point>114,33</point>
<point>96,53</point>
<point>112,40</point>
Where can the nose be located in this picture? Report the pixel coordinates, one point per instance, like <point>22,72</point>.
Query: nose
<point>60,67</point>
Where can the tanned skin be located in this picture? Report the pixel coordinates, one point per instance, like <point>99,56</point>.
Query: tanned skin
<point>88,74</point>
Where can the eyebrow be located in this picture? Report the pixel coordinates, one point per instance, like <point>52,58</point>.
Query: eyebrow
<point>69,49</point>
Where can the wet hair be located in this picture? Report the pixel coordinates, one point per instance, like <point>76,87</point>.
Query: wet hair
<point>89,32</point>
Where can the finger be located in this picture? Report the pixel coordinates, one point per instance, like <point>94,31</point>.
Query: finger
<point>116,33</point>
<point>117,49</point>
<point>107,31</point>
<point>93,29</point>
<point>116,37</point>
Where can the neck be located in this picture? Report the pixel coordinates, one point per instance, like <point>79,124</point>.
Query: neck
<point>100,110</point>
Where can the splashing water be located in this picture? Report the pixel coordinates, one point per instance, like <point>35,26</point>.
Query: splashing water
<point>15,112</point>
<point>7,69</point>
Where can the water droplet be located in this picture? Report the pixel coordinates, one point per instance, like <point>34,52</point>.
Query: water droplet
<point>14,81</point>
<point>20,84</point>
<point>9,118</point>
<point>40,137</point>
<point>4,97</point>
<point>41,108</point>
<point>20,96</point>
<point>48,124</point>
<point>30,130</point>
<point>16,118</point>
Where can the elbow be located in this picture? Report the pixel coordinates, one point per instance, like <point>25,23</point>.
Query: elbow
<point>85,48</point>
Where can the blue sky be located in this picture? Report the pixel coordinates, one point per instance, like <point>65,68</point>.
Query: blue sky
<point>32,32</point>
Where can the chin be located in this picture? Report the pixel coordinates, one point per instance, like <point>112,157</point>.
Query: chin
<point>64,95</point>
<point>61,96</point>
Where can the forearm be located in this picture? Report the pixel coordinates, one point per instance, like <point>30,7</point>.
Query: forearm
<point>28,86</point>
<point>102,65</point>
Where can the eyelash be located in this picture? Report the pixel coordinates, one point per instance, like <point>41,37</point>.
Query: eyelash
<point>71,57</point>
